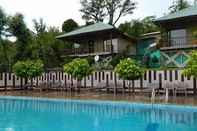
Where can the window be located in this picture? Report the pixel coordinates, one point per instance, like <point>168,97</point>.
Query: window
<point>178,37</point>
<point>91,46</point>
<point>107,46</point>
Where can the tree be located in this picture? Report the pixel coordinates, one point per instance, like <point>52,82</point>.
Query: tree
<point>179,5</point>
<point>18,28</point>
<point>191,68</point>
<point>40,26</point>
<point>46,47</point>
<point>78,68</point>
<point>69,25</point>
<point>138,27</point>
<point>6,52</point>
<point>100,10</point>
<point>127,69</point>
<point>133,28</point>
<point>28,69</point>
<point>93,10</point>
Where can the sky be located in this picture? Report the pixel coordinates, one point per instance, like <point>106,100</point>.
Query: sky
<point>55,12</point>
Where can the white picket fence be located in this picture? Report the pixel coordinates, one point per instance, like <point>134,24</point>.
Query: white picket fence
<point>102,77</point>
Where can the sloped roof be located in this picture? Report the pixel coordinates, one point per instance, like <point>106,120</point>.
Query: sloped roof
<point>88,29</point>
<point>191,11</point>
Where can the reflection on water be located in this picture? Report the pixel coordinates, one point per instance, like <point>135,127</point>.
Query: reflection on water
<point>19,115</point>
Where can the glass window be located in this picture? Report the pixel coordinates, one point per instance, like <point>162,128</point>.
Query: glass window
<point>178,37</point>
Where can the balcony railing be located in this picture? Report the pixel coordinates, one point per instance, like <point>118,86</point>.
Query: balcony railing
<point>85,51</point>
<point>178,42</point>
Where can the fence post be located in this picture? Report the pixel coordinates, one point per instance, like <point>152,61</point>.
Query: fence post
<point>21,82</point>
<point>160,81</point>
<point>92,81</point>
<point>107,82</point>
<point>195,84</point>
<point>65,81</point>
<point>13,82</point>
<point>141,84</point>
<point>115,81</point>
<point>5,81</point>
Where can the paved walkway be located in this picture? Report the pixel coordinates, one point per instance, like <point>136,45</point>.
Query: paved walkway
<point>181,100</point>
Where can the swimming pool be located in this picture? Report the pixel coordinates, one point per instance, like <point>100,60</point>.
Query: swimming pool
<point>34,114</point>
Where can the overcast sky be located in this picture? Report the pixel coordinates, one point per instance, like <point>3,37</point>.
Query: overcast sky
<point>54,12</point>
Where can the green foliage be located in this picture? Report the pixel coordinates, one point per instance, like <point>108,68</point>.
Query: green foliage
<point>3,22</point>
<point>69,25</point>
<point>191,68</point>
<point>46,47</point>
<point>116,60</point>
<point>138,27</point>
<point>129,70</point>
<point>100,10</point>
<point>90,60</point>
<point>78,68</point>
<point>28,69</point>
<point>40,26</point>
<point>18,28</point>
<point>179,5</point>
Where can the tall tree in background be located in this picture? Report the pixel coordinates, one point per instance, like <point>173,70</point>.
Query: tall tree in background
<point>93,10</point>
<point>138,27</point>
<point>18,28</point>
<point>133,28</point>
<point>69,25</point>
<point>5,53</point>
<point>179,5</point>
<point>39,26</point>
<point>46,47</point>
<point>112,10</point>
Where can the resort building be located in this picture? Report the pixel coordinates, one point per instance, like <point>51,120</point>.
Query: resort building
<point>178,37</point>
<point>168,48</point>
<point>98,39</point>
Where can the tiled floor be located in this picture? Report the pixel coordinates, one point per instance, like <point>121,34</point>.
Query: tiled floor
<point>181,100</point>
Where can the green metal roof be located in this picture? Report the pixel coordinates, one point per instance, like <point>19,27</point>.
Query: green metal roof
<point>191,11</point>
<point>88,29</point>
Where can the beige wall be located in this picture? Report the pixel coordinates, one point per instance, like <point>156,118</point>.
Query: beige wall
<point>126,46</point>
<point>120,45</point>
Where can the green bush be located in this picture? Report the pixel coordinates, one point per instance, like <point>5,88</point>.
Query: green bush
<point>90,60</point>
<point>191,68</point>
<point>78,68</point>
<point>128,69</point>
<point>116,60</point>
<point>28,69</point>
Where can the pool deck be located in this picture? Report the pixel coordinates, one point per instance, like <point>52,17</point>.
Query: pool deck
<point>141,98</point>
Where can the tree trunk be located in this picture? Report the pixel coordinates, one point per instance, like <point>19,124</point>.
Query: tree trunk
<point>78,85</point>
<point>31,83</point>
<point>26,81</point>
<point>133,86</point>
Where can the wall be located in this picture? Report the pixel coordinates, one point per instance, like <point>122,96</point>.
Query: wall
<point>104,78</point>
<point>126,46</point>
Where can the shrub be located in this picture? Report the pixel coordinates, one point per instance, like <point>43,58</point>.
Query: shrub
<point>116,60</point>
<point>128,69</point>
<point>28,69</point>
<point>78,68</point>
<point>191,68</point>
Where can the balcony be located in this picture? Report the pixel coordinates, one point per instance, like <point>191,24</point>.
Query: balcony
<point>178,43</point>
<point>83,52</point>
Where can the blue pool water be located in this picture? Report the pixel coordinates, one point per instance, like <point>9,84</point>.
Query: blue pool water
<point>28,114</point>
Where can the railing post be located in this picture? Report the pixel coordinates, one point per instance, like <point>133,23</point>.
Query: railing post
<point>5,81</point>
<point>194,86</point>
<point>13,82</point>
<point>160,81</point>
